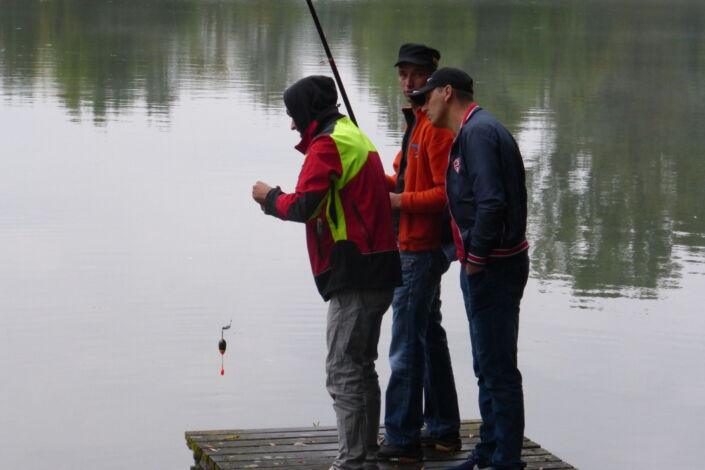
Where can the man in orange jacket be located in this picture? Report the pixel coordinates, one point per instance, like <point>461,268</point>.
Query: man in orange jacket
<point>421,388</point>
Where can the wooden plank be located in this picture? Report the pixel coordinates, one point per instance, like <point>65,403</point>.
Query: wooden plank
<point>323,460</point>
<point>329,452</point>
<point>283,444</point>
<point>247,434</point>
<point>264,430</point>
<point>324,464</point>
<point>235,438</point>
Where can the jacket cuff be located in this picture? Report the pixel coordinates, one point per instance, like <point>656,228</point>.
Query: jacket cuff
<point>476,260</point>
<point>270,202</point>
<point>476,255</point>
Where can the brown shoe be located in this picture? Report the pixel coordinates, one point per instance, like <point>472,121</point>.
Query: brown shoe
<point>441,444</point>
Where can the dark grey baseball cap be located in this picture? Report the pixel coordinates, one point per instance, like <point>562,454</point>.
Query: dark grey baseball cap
<point>456,78</point>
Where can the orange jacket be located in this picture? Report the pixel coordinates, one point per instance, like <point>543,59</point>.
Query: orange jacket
<point>423,199</point>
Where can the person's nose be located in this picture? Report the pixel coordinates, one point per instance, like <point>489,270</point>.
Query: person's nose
<point>293,125</point>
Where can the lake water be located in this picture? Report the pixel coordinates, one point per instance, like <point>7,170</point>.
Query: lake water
<point>132,133</point>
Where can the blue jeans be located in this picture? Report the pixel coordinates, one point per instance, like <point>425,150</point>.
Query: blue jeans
<point>492,298</point>
<point>421,386</point>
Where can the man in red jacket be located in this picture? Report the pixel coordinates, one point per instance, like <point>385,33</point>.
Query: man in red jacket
<point>421,388</point>
<point>341,196</point>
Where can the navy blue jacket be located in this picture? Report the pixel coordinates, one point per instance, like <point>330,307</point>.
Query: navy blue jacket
<point>486,187</point>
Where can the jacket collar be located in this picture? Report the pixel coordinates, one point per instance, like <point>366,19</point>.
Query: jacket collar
<point>317,126</point>
<point>468,114</point>
<point>409,115</point>
<point>412,114</point>
<point>470,111</point>
<point>307,137</point>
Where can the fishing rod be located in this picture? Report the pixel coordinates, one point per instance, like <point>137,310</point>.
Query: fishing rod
<point>338,80</point>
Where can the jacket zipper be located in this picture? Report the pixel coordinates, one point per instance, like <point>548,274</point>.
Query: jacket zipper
<point>453,225</point>
<point>404,162</point>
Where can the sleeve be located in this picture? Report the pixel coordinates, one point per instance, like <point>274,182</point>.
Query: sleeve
<point>322,164</point>
<point>437,147</point>
<point>488,190</point>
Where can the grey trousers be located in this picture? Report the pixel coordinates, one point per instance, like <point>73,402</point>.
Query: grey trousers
<point>352,334</point>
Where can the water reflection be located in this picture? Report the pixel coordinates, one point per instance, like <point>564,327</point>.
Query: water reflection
<point>603,97</point>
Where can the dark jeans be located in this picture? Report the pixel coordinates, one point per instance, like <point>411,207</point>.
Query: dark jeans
<point>421,386</point>
<point>492,298</point>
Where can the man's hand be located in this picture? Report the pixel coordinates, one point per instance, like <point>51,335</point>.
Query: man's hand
<point>259,191</point>
<point>395,200</point>
<point>471,269</point>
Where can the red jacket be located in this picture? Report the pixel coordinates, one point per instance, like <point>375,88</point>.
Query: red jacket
<point>422,164</point>
<point>342,197</point>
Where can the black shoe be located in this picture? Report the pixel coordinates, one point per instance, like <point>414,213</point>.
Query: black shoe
<point>371,456</point>
<point>411,453</point>
<point>441,444</point>
<point>473,462</point>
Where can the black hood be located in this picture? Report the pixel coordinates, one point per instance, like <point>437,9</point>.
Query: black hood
<point>309,99</point>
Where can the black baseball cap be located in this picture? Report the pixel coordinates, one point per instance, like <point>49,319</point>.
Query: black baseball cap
<point>419,54</point>
<point>456,78</point>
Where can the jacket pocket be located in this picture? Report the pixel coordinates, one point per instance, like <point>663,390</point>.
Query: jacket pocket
<point>368,235</point>
<point>320,228</point>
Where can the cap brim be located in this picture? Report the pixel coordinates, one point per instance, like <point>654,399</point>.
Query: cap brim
<point>418,97</point>
<point>412,60</point>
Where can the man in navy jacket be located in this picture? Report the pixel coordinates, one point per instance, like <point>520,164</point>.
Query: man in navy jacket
<point>486,189</point>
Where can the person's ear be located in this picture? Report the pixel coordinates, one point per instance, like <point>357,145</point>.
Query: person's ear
<point>447,93</point>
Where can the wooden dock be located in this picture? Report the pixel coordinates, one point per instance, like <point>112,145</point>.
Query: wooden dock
<point>315,448</point>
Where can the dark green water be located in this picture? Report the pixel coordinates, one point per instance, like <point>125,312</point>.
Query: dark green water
<point>132,132</point>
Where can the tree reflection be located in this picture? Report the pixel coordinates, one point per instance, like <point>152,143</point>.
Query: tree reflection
<point>604,98</point>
